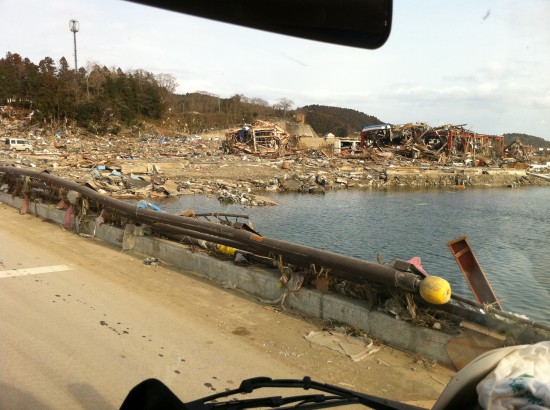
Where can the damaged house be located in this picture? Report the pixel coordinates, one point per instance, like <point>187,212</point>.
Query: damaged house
<point>262,137</point>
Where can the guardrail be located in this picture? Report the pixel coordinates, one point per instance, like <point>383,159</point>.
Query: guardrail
<point>340,266</point>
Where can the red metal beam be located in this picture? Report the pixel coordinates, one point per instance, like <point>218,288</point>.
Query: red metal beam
<point>470,267</point>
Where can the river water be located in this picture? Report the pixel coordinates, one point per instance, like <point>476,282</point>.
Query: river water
<point>509,230</point>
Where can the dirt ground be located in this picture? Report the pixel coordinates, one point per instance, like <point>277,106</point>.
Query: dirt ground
<point>220,332</point>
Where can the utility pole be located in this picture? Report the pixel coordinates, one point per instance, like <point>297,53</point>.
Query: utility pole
<point>74,27</point>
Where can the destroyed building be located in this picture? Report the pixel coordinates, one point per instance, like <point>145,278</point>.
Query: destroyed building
<point>439,144</point>
<point>445,145</point>
<point>519,151</point>
<point>262,137</point>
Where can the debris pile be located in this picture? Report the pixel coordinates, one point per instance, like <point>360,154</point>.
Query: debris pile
<point>517,152</point>
<point>159,161</point>
<point>447,144</point>
<point>263,137</point>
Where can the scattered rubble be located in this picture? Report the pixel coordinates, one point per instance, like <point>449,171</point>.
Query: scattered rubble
<point>156,162</point>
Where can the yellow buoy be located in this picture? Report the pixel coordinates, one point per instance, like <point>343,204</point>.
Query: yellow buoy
<point>228,250</point>
<point>435,290</point>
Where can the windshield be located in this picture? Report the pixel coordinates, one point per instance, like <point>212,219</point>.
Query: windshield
<point>380,155</point>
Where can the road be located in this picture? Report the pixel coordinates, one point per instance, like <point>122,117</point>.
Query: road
<point>82,323</point>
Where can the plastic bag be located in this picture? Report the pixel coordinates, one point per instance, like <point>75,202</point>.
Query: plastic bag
<point>521,380</point>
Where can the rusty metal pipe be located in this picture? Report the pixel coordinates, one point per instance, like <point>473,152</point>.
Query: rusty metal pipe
<point>499,312</point>
<point>255,250</point>
<point>305,255</point>
<point>362,270</point>
<point>216,214</point>
<point>180,232</point>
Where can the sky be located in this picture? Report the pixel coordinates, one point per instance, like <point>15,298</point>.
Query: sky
<point>483,63</point>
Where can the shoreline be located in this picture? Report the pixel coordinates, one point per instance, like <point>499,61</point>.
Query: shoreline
<point>246,180</point>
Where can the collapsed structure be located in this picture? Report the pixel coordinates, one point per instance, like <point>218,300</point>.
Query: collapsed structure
<point>437,144</point>
<point>262,137</point>
<point>445,145</point>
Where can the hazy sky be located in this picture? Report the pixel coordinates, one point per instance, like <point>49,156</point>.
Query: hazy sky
<point>484,63</point>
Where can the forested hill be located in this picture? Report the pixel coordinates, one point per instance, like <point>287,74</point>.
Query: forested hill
<point>106,100</point>
<point>525,139</point>
<point>339,121</point>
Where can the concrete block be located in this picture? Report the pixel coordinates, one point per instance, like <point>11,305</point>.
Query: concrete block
<point>383,326</point>
<point>306,300</point>
<point>347,310</point>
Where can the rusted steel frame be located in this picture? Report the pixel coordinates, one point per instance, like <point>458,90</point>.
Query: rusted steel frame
<point>484,320</point>
<point>502,313</point>
<point>362,270</point>
<point>472,271</point>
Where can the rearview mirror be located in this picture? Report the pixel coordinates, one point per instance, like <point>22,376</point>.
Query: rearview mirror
<point>355,23</point>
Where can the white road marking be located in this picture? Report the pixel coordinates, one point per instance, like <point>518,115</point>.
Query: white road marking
<point>32,271</point>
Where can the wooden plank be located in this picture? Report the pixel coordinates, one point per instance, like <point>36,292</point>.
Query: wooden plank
<point>482,330</point>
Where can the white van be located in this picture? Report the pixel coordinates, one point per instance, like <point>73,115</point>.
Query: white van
<point>17,144</point>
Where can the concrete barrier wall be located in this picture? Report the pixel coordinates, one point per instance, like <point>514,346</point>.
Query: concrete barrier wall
<point>263,283</point>
<point>317,143</point>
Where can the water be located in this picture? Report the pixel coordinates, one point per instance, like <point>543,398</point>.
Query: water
<point>509,230</point>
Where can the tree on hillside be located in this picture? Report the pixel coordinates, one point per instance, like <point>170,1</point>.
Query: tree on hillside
<point>8,85</point>
<point>340,121</point>
<point>101,98</point>
<point>95,80</point>
<point>47,95</point>
<point>67,90</point>
<point>526,139</point>
<point>14,78</point>
<point>284,105</point>
<point>259,107</point>
<point>167,87</point>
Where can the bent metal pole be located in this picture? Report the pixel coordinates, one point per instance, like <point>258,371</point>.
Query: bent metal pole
<point>361,271</point>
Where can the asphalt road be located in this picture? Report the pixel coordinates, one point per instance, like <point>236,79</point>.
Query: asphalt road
<point>81,323</point>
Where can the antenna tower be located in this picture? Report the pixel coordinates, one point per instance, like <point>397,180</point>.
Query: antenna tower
<point>74,26</point>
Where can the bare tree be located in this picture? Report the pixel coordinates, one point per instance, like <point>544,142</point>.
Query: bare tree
<point>168,85</point>
<point>167,81</point>
<point>284,105</point>
<point>259,101</point>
